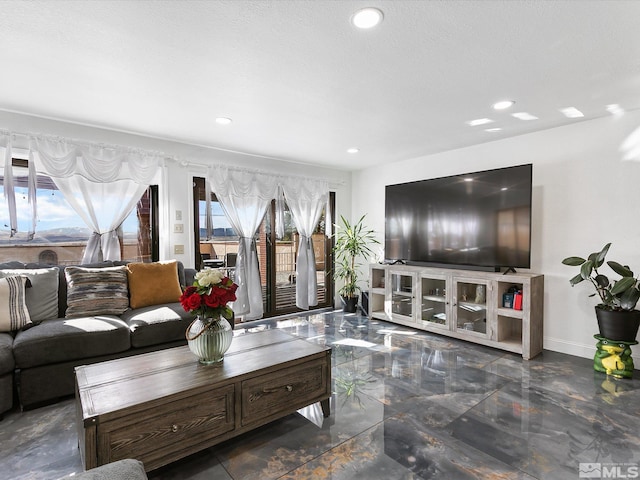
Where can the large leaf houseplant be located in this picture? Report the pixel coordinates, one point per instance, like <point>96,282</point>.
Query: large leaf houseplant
<point>617,316</point>
<point>353,243</point>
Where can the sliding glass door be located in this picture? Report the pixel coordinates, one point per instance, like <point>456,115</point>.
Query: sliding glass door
<point>217,244</point>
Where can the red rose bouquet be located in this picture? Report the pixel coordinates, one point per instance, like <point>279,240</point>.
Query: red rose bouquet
<point>209,295</point>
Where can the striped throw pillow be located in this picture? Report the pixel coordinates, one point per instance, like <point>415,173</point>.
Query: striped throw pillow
<point>96,291</point>
<point>13,308</point>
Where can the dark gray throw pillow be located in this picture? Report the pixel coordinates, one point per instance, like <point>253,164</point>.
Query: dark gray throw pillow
<point>96,291</point>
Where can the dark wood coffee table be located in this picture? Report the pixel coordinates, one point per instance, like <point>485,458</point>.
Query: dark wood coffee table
<point>162,406</point>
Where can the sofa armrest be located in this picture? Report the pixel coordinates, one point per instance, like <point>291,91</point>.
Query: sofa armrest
<point>189,276</point>
<point>127,469</point>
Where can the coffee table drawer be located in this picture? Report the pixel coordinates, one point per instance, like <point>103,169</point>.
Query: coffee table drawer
<point>153,434</point>
<point>288,389</point>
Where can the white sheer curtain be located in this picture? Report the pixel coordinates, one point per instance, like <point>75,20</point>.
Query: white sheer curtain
<point>32,179</point>
<point>280,208</point>
<point>306,199</point>
<point>8,184</point>
<point>9,187</point>
<point>244,197</point>
<point>102,184</point>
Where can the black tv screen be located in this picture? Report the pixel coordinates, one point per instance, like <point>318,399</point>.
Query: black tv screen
<point>479,219</point>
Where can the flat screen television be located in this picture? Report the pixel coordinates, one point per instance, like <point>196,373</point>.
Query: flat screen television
<point>479,219</point>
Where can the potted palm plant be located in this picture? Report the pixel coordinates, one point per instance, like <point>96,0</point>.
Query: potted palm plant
<point>352,243</point>
<point>616,313</point>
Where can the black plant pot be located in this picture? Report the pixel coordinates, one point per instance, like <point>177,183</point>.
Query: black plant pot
<point>349,304</point>
<point>621,325</point>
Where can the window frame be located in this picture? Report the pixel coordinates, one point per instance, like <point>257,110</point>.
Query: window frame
<point>269,300</point>
<point>154,201</point>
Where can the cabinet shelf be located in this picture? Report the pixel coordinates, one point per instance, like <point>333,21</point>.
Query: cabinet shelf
<point>430,299</point>
<point>434,298</point>
<point>510,312</point>
<point>512,345</point>
<point>401,293</point>
<point>472,307</point>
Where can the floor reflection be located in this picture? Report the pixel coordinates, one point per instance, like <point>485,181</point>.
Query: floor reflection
<point>405,405</point>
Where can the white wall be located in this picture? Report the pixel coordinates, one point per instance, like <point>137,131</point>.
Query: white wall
<point>584,196</point>
<point>176,186</point>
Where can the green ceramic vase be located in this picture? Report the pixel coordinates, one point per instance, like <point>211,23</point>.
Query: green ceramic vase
<point>209,340</point>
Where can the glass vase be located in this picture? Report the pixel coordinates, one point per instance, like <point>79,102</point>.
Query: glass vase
<point>209,340</point>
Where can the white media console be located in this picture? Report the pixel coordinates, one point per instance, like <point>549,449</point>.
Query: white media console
<point>465,304</point>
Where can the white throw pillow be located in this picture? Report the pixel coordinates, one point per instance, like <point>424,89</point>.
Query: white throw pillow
<point>42,297</point>
<point>13,308</point>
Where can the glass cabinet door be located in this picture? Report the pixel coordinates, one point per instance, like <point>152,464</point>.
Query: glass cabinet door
<point>402,294</point>
<point>471,306</point>
<point>433,301</point>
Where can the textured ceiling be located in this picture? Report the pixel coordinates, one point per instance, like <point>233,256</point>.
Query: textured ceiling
<point>302,84</point>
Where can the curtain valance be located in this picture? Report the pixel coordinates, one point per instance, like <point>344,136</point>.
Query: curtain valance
<point>62,158</point>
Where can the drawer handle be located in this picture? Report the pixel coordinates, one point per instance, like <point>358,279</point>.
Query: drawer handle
<point>174,428</point>
<point>288,388</point>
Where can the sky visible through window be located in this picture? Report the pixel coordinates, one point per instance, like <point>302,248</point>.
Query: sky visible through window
<point>218,217</point>
<point>54,213</point>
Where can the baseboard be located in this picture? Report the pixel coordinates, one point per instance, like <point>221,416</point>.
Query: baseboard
<point>582,350</point>
<point>570,348</point>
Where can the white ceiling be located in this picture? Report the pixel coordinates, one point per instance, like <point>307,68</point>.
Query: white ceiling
<point>302,84</point>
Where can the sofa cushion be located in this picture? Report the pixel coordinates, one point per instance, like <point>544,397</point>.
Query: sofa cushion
<point>96,291</point>
<point>12,265</point>
<point>13,307</point>
<point>157,324</point>
<point>6,353</point>
<point>65,339</point>
<point>126,469</point>
<point>153,283</point>
<point>6,392</point>
<point>42,297</point>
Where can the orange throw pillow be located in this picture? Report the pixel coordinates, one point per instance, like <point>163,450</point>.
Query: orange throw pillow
<point>153,283</point>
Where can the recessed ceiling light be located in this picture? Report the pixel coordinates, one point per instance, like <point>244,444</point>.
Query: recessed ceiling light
<point>353,150</point>
<point>615,109</point>
<point>223,121</point>
<point>503,105</point>
<point>492,130</point>
<point>367,17</point>
<point>524,116</point>
<point>479,121</point>
<point>468,179</point>
<point>504,189</point>
<point>571,112</point>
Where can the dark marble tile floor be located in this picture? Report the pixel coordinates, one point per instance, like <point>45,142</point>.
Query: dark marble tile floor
<point>406,405</point>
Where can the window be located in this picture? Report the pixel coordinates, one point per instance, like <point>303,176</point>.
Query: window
<point>277,257</point>
<point>282,254</point>
<point>61,234</point>
<point>216,241</point>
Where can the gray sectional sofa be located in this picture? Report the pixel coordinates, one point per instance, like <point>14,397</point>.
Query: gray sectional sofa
<point>37,362</point>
